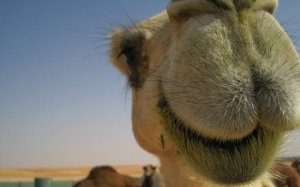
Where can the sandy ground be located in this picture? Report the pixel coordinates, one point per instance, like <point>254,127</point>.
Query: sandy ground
<point>61,173</point>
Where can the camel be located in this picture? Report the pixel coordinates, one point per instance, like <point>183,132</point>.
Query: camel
<point>285,176</point>
<point>149,171</point>
<point>215,87</point>
<point>106,176</point>
<point>296,165</point>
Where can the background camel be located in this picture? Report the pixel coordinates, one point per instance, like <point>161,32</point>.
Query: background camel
<point>149,171</point>
<point>106,176</point>
<point>296,165</point>
<point>285,176</point>
<point>215,86</point>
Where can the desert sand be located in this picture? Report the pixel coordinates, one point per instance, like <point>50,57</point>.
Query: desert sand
<point>61,173</point>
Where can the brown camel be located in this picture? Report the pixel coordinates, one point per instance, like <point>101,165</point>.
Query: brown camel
<point>296,165</point>
<point>285,176</point>
<point>149,171</point>
<point>106,176</point>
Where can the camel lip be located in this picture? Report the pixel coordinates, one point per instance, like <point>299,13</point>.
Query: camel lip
<point>257,150</point>
<point>194,135</point>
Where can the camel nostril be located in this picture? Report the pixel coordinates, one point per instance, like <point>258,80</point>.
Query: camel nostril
<point>264,87</point>
<point>276,109</point>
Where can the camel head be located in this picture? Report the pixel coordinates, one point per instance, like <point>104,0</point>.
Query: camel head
<point>214,82</point>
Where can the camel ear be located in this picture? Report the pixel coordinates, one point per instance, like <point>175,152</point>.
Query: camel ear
<point>128,54</point>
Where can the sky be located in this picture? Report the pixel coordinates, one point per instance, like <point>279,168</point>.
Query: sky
<point>61,102</point>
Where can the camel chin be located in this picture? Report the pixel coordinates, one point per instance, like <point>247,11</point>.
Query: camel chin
<point>214,89</point>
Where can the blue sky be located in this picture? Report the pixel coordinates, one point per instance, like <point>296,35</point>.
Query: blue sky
<point>61,102</point>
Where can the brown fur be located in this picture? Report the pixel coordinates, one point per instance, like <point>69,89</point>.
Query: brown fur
<point>149,171</point>
<point>286,176</point>
<point>296,165</point>
<point>106,176</point>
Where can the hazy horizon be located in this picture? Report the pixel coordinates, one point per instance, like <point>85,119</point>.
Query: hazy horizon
<point>62,103</point>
